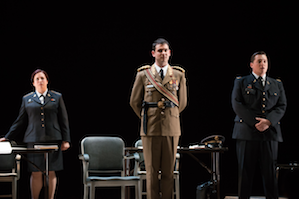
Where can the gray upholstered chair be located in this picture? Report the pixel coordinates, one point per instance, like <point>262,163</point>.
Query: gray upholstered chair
<point>105,156</point>
<point>140,170</point>
<point>10,171</point>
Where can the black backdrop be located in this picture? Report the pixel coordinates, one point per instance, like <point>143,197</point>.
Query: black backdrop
<point>91,53</point>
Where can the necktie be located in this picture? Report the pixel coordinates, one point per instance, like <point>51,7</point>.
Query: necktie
<point>260,80</point>
<point>161,74</point>
<point>42,99</point>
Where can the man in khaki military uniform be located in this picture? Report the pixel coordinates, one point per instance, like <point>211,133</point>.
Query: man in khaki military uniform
<point>158,96</point>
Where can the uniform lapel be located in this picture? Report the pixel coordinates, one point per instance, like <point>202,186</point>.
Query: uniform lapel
<point>167,77</point>
<point>156,74</point>
<point>256,83</point>
<point>267,85</point>
<point>47,98</point>
<point>35,98</point>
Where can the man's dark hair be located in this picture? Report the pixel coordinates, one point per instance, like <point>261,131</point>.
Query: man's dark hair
<point>160,41</point>
<point>260,53</point>
<point>257,53</point>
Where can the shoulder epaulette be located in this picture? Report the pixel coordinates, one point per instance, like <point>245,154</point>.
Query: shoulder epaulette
<point>143,68</point>
<point>55,92</point>
<point>239,77</point>
<point>279,80</point>
<point>28,94</point>
<point>179,68</point>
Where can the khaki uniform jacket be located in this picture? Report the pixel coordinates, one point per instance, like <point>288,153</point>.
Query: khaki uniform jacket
<point>161,122</point>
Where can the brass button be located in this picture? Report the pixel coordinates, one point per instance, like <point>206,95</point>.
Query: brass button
<point>42,113</point>
<point>43,125</point>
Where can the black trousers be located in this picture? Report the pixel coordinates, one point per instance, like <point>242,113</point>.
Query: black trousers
<point>251,153</point>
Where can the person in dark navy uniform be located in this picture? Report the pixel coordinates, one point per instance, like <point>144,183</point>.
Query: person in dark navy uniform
<point>44,114</point>
<point>259,103</point>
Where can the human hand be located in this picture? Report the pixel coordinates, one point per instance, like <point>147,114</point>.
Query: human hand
<point>3,139</point>
<point>263,124</point>
<point>65,145</point>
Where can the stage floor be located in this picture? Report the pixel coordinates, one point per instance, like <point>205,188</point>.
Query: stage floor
<point>252,197</point>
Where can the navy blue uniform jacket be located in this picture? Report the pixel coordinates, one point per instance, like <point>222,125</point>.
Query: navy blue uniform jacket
<point>45,122</point>
<point>250,100</point>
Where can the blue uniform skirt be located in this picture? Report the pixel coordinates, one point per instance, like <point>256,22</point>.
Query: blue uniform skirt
<point>55,159</point>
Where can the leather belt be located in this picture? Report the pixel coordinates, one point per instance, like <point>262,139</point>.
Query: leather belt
<point>161,104</point>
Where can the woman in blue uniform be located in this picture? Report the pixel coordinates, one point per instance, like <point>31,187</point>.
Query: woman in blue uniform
<point>44,114</point>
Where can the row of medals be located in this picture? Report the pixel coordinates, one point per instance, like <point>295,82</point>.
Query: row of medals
<point>172,86</point>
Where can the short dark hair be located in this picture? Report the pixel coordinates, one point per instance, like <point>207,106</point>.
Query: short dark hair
<point>38,71</point>
<point>159,41</point>
<point>257,53</point>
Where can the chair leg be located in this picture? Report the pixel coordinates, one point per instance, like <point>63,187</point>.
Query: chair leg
<point>138,190</point>
<point>92,191</point>
<point>14,189</point>
<point>123,192</point>
<point>177,187</point>
<point>85,192</point>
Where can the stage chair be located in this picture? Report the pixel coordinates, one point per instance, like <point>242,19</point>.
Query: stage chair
<point>139,170</point>
<point>10,172</point>
<point>105,156</point>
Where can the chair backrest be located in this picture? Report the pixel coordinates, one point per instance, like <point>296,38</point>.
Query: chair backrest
<point>138,143</point>
<point>7,162</point>
<point>105,153</point>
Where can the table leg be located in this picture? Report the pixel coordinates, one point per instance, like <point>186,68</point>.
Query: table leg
<point>46,177</point>
<point>216,172</point>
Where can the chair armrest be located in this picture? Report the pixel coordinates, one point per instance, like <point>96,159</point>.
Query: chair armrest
<point>136,165</point>
<point>131,156</point>
<point>85,163</point>
<point>84,157</point>
<point>177,162</point>
<point>18,160</point>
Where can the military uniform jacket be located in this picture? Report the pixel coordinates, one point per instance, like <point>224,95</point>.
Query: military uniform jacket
<point>45,122</point>
<point>161,122</point>
<point>250,100</point>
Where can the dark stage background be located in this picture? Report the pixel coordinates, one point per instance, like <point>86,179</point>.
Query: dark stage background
<point>91,53</point>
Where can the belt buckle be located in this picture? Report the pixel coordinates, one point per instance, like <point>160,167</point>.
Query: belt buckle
<point>161,105</point>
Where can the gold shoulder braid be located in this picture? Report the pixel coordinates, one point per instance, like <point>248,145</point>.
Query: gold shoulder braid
<point>179,68</point>
<point>143,68</point>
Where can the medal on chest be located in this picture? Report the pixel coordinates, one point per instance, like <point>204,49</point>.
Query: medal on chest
<point>173,83</point>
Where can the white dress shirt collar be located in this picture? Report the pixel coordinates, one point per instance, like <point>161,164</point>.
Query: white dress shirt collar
<point>263,77</point>
<point>158,68</point>
<point>39,94</point>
